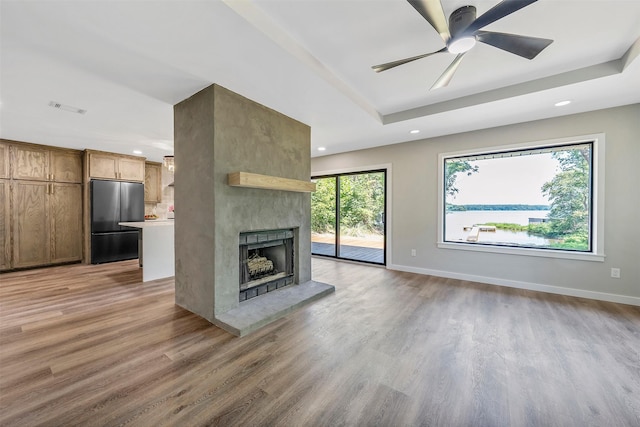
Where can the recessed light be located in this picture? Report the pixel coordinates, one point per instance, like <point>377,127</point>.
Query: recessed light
<point>562,103</point>
<point>321,148</point>
<point>137,152</point>
<point>415,131</point>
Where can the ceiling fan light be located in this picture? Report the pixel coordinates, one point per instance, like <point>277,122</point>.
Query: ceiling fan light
<point>462,44</point>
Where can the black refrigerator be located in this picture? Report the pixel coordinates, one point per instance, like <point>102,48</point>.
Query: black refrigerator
<point>113,202</point>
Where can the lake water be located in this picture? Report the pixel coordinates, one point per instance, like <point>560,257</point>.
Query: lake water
<point>456,221</point>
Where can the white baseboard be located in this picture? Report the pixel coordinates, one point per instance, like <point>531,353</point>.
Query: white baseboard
<point>601,296</point>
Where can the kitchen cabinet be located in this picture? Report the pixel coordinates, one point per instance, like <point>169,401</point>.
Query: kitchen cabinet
<point>104,165</point>
<point>30,226</point>
<point>65,209</point>
<point>152,182</point>
<point>29,162</point>
<point>41,211</point>
<point>4,160</point>
<point>33,162</point>
<point>5,249</point>
<point>65,166</point>
<point>46,223</point>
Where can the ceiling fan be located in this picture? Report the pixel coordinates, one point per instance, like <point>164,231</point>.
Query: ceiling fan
<point>463,30</point>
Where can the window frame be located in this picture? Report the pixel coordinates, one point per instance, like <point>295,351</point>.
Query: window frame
<point>597,200</point>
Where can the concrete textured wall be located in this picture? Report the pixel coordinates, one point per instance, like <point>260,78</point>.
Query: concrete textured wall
<point>218,132</point>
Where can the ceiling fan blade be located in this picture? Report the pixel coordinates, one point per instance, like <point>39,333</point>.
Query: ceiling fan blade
<point>502,9</point>
<point>445,78</point>
<point>527,47</point>
<point>388,65</point>
<point>432,11</point>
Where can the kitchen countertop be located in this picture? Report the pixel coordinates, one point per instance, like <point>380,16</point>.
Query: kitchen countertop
<point>157,252</point>
<point>150,223</point>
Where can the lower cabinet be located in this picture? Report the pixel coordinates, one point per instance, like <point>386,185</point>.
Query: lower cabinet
<point>47,223</point>
<point>65,208</point>
<point>5,226</point>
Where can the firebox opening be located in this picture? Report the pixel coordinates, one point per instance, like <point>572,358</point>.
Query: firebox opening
<point>266,262</point>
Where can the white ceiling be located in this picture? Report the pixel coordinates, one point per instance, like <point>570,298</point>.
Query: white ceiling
<point>128,62</point>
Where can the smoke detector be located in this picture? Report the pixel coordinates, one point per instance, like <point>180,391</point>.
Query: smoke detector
<point>68,108</point>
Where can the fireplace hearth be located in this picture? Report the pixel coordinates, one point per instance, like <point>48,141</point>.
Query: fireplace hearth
<point>266,262</point>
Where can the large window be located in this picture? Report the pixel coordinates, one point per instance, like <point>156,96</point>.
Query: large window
<point>535,197</point>
<point>348,216</point>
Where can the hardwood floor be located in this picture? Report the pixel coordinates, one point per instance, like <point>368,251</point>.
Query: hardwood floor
<point>92,345</point>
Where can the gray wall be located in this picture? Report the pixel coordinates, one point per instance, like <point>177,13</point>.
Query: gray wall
<point>414,211</point>
<point>218,132</point>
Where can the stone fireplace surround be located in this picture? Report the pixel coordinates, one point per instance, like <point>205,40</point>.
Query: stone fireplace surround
<point>218,132</point>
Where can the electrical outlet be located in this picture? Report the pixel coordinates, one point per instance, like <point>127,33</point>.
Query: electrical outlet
<point>413,252</point>
<point>615,273</point>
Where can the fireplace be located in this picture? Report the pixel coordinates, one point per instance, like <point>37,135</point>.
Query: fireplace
<point>219,133</point>
<point>266,261</point>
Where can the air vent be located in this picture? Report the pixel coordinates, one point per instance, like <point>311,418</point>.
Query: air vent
<point>66,108</point>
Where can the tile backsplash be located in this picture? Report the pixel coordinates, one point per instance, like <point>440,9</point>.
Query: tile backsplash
<point>161,209</point>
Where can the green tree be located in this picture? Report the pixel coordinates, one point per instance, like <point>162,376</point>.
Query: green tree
<point>569,193</point>
<point>323,206</point>
<point>453,167</point>
<point>361,204</point>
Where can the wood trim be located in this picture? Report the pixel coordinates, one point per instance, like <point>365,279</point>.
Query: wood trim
<point>267,182</point>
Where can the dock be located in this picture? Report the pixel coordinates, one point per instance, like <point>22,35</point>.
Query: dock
<point>474,231</point>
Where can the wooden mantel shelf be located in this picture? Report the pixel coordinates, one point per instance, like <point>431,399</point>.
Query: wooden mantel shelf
<point>254,180</point>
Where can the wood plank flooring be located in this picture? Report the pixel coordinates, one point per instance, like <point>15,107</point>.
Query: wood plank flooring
<point>92,345</point>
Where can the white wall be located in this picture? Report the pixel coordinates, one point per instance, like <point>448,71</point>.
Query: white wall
<point>415,208</point>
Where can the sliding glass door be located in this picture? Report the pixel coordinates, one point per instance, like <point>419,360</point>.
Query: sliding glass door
<point>348,214</point>
<point>323,217</point>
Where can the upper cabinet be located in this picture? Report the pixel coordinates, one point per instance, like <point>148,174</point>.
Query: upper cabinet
<point>37,163</point>
<point>115,166</point>
<point>66,166</point>
<point>29,162</point>
<point>131,169</point>
<point>152,182</point>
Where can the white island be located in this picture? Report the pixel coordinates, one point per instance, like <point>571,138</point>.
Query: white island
<point>158,257</point>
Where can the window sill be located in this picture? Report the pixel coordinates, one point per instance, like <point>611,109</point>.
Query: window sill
<point>546,253</point>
